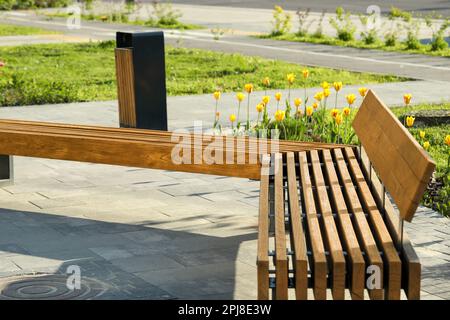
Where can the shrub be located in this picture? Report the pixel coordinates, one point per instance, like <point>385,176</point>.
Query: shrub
<point>7,4</point>
<point>438,40</point>
<point>27,4</point>
<point>369,36</point>
<point>319,30</point>
<point>165,15</point>
<point>412,35</point>
<point>343,25</point>
<point>303,23</point>
<point>281,21</point>
<point>398,13</point>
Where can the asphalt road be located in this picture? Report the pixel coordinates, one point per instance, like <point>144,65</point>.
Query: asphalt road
<point>442,7</point>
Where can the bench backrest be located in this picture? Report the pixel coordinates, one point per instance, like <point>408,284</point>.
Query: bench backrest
<point>201,153</point>
<point>402,164</point>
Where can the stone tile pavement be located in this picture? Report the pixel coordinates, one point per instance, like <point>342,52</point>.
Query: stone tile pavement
<point>146,234</point>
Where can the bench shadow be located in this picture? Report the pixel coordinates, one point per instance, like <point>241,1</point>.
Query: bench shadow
<point>146,260</point>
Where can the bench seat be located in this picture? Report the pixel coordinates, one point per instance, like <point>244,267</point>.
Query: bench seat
<point>322,222</point>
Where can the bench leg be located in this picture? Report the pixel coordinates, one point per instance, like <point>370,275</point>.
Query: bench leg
<point>6,170</point>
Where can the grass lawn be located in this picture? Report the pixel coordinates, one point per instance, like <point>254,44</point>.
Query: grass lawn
<point>60,73</point>
<point>123,18</point>
<point>13,30</point>
<point>435,135</point>
<point>400,47</point>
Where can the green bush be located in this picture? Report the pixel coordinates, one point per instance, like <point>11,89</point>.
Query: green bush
<point>281,21</point>
<point>343,25</point>
<point>412,35</point>
<point>29,4</point>
<point>399,13</point>
<point>438,40</point>
<point>7,4</point>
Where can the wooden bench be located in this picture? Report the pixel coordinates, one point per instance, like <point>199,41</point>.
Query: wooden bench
<point>324,216</point>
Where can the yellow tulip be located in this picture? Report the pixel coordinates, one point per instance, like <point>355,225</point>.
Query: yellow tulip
<point>217,114</point>
<point>290,78</point>
<point>297,102</point>
<point>266,82</point>
<point>248,88</point>
<point>279,115</point>
<point>240,96</point>
<point>325,85</point>
<point>426,145</point>
<point>326,92</point>
<point>422,134</point>
<point>216,95</point>
<point>362,91</point>
<point>266,100</point>
<point>410,121</point>
<point>309,111</point>
<point>334,112</point>
<point>315,105</point>
<point>318,96</point>
<point>350,98</point>
<point>278,96</point>
<point>232,117</point>
<point>278,9</point>
<point>259,107</point>
<point>337,85</point>
<point>299,113</point>
<point>338,119</point>
<point>447,140</point>
<point>407,98</point>
<point>346,111</point>
<point>305,73</point>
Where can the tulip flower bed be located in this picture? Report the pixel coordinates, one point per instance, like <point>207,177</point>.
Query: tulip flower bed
<point>316,117</point>
<point>60,73</point>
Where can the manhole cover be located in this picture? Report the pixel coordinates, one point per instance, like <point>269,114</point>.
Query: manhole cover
<point>48,287</point>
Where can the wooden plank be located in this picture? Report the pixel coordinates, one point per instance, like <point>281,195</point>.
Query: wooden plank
<point>297,232</point>
<point>331,233</point>
<point>150,148</point>
<point>284,146</point>
<point>361,224</point>
<point>404,167</point>
<point>281,261</point>
<point>125,87</point>
<point>319,262</point>
<point>125,152</point>
<point>263,232</point>
<point>357,264</point>
<point>411,271</point>
<point>393,262</point>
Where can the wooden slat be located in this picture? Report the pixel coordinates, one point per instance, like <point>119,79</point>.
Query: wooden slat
<point>411,271</point>
<point>331,233</point>
<point>357,265</point>
<point>360,222</point>
<point>125,87</point>
<point>297,233</point>
<point>263,232</point>
<point>393,262</point>
<point>319,262</point>
<point>281,261</point>
<point>404,167</point>
<point>86,130</point>
<point>126,152</point>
